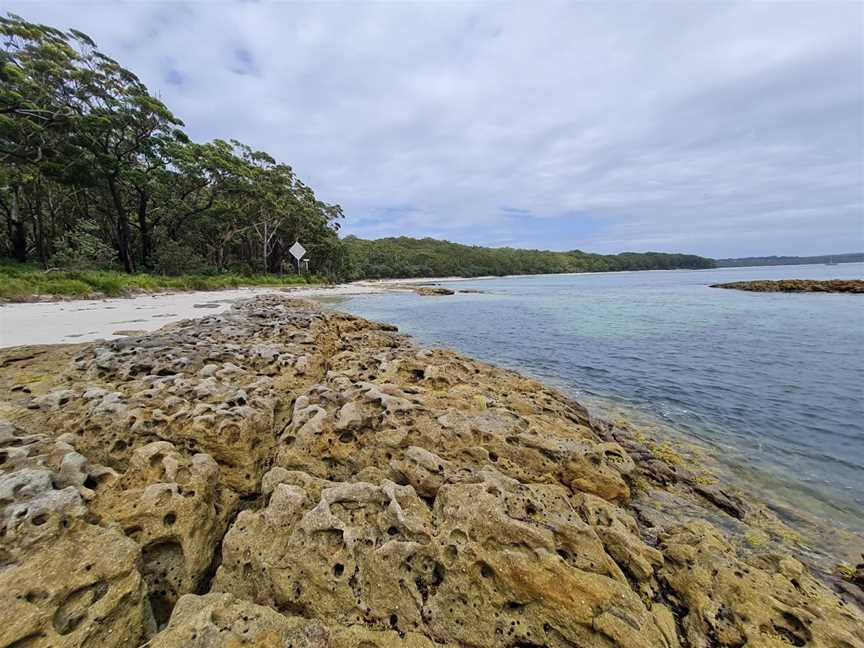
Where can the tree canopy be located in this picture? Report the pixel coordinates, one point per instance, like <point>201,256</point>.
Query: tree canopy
<point>409,257</point>
<point>95,171</point>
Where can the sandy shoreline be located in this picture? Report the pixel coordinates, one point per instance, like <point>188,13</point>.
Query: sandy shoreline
<point>85,320</point>
<point>70,321</point>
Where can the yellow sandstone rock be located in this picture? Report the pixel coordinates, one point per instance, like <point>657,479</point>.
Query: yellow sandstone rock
<point>281,475</point>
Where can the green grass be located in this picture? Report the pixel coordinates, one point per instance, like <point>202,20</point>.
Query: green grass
<point>24,282</point>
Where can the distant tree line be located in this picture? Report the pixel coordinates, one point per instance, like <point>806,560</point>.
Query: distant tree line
<point>852,257</point>
<point>410,257</point>
<point>96,172</point>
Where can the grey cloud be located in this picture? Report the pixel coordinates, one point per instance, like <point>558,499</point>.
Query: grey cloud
<point>723,129</point>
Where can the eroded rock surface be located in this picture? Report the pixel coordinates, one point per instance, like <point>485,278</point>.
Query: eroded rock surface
<point>280,475</point>
<point>797,285</point>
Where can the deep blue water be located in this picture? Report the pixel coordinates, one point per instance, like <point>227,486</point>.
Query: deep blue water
<point>771,382</point>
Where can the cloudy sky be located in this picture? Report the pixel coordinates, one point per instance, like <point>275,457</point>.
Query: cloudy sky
<point>716,128</point>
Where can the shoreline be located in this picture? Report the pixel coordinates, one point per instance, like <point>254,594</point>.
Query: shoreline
<point>87,320</point>
<point>364,286</point>
<point>424,487</point>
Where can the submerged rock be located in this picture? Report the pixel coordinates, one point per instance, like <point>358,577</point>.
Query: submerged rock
<point>280,475</point>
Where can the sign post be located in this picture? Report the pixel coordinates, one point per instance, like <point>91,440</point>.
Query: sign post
<point>297,251</point>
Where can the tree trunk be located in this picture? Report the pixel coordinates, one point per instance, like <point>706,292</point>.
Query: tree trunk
<point>123,236</point>
<point>19,235</point>
<point>146,244</point>
<point>39,229</point>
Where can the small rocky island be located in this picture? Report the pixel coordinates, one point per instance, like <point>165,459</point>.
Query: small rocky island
<point>281,475</point>
<point>798,285</point>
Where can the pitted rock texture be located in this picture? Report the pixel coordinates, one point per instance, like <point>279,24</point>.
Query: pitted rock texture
<point>281,475</point>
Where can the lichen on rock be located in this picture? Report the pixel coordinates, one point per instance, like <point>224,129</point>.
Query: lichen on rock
<point>283,475</point>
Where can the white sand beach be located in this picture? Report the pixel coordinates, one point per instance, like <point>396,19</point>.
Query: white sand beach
<point>84,320</point>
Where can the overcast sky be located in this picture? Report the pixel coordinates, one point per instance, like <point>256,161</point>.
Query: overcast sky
<point>719,129</point>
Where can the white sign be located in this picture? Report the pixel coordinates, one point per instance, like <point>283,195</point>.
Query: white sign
<point>297,250</point>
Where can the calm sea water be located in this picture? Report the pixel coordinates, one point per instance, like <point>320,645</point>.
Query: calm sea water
<point>773,383</point>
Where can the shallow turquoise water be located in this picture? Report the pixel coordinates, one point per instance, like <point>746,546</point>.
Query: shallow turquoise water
<point>772,382</point>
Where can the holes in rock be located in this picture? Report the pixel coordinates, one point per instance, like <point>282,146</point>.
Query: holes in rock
<point>346,437</point>
<point>288,440</point>
<point>74,608</point>
<point>530,509</point>
<point>795,632</point>
<point>329,537</point>
<point>170,518</point>
<point>338,569</point>
<point>35,596</point>
<point>392,531</point>
<point>163,572</point>
<point>394,621</point>
<point>565,555</point>
<point>493,457</point>
<point>486,571</point>
<point>29,641</point>
<point>40,519</point>
<point>132,532</point>
<point>119,446</point>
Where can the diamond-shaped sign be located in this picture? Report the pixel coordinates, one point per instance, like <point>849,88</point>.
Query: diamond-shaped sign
<point>297,250</point>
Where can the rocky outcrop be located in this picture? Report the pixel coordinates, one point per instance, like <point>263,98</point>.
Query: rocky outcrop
<point>798,285</point>
<point>427,291</point>
<point>281,475</point>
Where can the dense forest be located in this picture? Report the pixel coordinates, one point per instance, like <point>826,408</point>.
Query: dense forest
<point>852,257</point>
<point>409,257</point>
<point>96,172</point>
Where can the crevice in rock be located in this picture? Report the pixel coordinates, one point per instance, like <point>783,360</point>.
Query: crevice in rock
<point>205,583</point>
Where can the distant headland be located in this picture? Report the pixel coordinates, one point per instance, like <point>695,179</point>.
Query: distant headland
<point>829,259</point>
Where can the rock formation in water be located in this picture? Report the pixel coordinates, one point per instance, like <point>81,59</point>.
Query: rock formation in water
<point>279,475</point>
<point>798,285</point>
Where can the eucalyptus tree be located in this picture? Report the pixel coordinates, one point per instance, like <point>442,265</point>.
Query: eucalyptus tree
<point>36,65</point>
<point>89,159</point>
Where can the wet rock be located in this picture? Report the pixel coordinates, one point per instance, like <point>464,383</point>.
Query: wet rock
<point>724,499</point>
<point>798,285</point>
<point>771,600</point>
<point>428,291</point>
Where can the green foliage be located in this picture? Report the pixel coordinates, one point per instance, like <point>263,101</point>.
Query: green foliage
<point>88,155</point>
<point>174,258</point>
<point>408,257</point>
<point>83,249</point>
<point>22,282</point>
